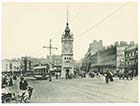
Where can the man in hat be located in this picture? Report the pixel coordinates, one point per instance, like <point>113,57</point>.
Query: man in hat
<point>23,84</point>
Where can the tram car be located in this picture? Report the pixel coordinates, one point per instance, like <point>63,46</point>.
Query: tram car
<point>40,71</point>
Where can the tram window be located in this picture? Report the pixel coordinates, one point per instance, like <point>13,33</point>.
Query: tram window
<point>44,70</point>
<point>39,71</point>
<point>36,71</point>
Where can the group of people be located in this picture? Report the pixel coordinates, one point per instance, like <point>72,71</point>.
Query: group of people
<point>121,74</point>
<point>128,74</point>
<point>57,75</point>
<point>76,74</point>
<point>8,79</point>
<point>9,84</point>
<point>94,74</point>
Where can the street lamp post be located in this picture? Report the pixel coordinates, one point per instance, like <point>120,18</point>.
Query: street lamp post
<point>50,58</point>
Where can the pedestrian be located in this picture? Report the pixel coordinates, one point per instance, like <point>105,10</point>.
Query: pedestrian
<point>111,76</point>
<point>130,74</point>
<point>107,75</point>
<point>67,74</point>
<point>10,81</point>
<point>5,80</point>
<point>98,74</point>
<point>50,77</point>
<point>134,73</point>
<point>23,84</point>
<point>14,77</point>
<point>56,74</point>
<point>120,73</point>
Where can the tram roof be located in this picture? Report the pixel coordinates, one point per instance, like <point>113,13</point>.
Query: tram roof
<point>39,67</point>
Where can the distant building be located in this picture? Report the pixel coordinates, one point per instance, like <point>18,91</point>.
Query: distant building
<point>11,65</point>
<point>26,64</point>
<point>91,57</point>
<point>6,65</point>
<point>95,46</point>
<point>57,62</point>
<point>95,62</point>
<point>109,58</point>
<point>112,58</point>
<point>35,61</point>
<point>132,43</point>
<point>131,57</point>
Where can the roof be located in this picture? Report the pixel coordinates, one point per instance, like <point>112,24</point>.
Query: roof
<point>39,67</point>
<point>131,48</point>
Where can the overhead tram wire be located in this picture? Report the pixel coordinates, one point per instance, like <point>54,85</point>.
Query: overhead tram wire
<point>101,21</point>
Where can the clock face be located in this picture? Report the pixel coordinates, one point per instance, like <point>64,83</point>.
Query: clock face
<point>67,47</point>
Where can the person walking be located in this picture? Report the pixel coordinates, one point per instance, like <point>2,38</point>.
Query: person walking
<point>130,74</point>
<point>56,74</point>
<point>4,80</point>
<point>67,74</point>
<point>50,76</point>
<point>10,81</point>
<point>111,76</point>
<point>23,84</point>
<point>14,77</point>
<point>107,75</point>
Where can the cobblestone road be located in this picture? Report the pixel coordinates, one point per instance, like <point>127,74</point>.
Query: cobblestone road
<point>85,90</point>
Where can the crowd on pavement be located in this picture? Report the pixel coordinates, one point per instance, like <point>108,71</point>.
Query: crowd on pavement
<point>15,87</point>
<point>128,74</point>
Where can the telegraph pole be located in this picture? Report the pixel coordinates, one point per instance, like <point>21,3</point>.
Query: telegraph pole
<point>50,56</point>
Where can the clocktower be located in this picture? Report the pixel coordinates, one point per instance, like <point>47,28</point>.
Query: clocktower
<point>67,50</point>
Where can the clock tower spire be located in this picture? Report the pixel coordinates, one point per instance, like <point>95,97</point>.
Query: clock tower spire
<point>67,15</point>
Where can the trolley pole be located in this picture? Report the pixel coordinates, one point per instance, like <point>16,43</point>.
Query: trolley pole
<point>50,57</point>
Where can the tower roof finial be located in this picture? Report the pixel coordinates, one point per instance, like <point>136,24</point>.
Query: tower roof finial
<point>67,15</point>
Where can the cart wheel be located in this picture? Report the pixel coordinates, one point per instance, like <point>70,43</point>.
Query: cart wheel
<point>8,100</point>
<point>27,100</point>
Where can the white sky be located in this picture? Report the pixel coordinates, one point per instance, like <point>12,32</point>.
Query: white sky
<point>26,27</point>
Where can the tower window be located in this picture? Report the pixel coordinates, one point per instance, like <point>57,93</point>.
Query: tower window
<point>69,58</point>
<point>65,58</point>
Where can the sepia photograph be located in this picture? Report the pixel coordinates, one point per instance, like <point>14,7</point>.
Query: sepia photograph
<point>69,52</point>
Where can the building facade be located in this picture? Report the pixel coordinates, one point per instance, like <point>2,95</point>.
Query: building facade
<point>95,46</point>
<point>131,58</point>
<point>109,58</point>
<point>11,65</point>
<point>57,62</point>
<point>67,51</point>
<point>6,65</point>
<point>91,58</point>
<point>26,64</point>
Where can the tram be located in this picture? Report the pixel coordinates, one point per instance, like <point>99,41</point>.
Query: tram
<point>41,71</point>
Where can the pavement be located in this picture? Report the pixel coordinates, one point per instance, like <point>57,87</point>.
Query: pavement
<point>87,90</point>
